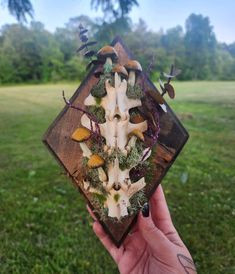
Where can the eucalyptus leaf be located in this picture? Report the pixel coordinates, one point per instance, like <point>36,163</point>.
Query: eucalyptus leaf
<point>170,90</point>
<point>168,75</point>
<point>83,38</point>
<point>86,45</point>
<point>83,31</point>
<point>89,53</point>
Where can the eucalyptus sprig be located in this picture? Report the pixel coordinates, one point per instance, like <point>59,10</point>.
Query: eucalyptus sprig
<point>167,87</point>
<point>87,53</point>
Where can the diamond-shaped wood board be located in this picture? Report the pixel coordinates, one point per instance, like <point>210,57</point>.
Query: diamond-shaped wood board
<point>58,140</point>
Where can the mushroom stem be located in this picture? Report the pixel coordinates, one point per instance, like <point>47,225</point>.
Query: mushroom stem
<point>86,151</point>
<point>131,79</point>
<point>109,61</point>
<point>102,174</point>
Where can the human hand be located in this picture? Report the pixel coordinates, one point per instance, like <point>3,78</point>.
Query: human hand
<point>154,245</point>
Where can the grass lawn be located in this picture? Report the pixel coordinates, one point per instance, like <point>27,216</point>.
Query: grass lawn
<point>44,226</point>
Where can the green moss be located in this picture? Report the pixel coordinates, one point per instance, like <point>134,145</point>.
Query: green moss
<point>132,158</point>
<point>107,68</point>
<point>134,92</point>
<point>137,201</point>
<point>109,158</point>
<point>116,197</point>
<point>99,90</point>
<point>84,161</point>
<point>98,101</point>
<point>98,112</point>
<point>93,177</point>
<point>150,166</point>
<point>100,197</point>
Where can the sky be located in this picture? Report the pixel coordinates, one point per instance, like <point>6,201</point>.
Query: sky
<point>157,14</point>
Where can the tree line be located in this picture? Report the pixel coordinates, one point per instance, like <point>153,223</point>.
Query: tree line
<point>33,54</point>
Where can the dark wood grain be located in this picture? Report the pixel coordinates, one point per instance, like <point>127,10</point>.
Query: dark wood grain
<point>172,138</point>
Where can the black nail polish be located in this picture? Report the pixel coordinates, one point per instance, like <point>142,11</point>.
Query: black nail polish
<point>145,210</point>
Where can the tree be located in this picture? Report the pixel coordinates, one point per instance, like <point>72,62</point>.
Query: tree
<point>29,54</point>
<point>19,8</point>
<point>200,44</point>
<point>114,9</point>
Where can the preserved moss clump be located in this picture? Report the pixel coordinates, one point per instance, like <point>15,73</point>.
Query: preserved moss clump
<point>133,157</point>
<point>98,112</point>
<point>98,90</point>
<point>134,92</point>
<point>93,177</point>
<point>137,201</point>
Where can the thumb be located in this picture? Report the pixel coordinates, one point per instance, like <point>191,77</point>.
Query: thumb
<point>152,235</point>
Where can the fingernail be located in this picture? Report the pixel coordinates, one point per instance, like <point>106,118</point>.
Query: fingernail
<point>145,210</point>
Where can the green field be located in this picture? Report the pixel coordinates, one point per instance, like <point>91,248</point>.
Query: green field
<point>44,226</point>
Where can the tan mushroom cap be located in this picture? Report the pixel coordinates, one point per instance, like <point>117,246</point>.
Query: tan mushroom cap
<point>95,161</point>
<point>81,134</point>
<point>133,65</point>
<point>120,70</point>
<point>107,51</point>
<point>137,133</point>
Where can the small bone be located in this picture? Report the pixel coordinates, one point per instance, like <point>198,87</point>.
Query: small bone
<point>131,143</point>
<point>89,101</point>
<point>102,175</point>
<point>136,187</point>
<point>90,189</point>
<point>109,101</point>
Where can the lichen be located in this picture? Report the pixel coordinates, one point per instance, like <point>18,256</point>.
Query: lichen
<point>93,177</point>
<point>99,208</point>
<point>97,101</point>
<point>116,197</point>
<point>84,161</point>
<point>134,92</point>
<point>100,197</point>
<point>98,112</point>
<point>99,90</point>
<point>133,157</point>
<point>107,68</point>
<point>137,201</point>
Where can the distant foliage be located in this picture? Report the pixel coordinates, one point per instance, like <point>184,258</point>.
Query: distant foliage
<point>114,8</point>
<point>32,54</point>
<point>19,8</point>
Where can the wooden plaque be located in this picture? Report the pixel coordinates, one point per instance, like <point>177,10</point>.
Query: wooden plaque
<point>58,140</point>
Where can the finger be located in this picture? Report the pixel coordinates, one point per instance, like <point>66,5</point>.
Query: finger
<point>159,206</point>
<point>115,252</point>
<point>152,235</point>
<point>161,216</point>
<point>91,213</point>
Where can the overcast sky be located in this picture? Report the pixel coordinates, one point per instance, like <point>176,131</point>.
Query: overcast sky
<point>157,14</point>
